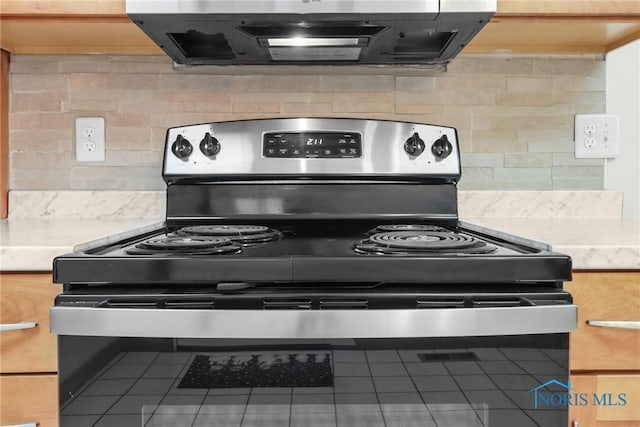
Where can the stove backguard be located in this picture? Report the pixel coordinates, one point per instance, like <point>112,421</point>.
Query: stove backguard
<point>304,200</point>
<point>311,168</point>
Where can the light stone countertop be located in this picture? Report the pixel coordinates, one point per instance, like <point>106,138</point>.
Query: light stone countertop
<point>32,244</point>
<point>593,243</point>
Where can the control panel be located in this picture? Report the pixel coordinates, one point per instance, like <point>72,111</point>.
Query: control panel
<point>312,147</point>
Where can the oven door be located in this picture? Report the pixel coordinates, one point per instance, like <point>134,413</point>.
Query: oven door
<point>187,365</point>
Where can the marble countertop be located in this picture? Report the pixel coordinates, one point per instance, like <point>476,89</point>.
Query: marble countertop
<point>593,243</point>
<point>32,244</point>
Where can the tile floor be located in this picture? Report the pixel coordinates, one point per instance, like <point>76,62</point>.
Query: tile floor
<point>385,388</point>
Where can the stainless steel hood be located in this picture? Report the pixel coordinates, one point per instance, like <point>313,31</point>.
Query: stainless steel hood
<point>311,32</point>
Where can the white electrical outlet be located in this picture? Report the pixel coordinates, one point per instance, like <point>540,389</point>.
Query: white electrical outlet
<point>90,139</point>
<point>596,136</point>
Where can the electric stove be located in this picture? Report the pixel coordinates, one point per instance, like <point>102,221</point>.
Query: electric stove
<point>289,243</point>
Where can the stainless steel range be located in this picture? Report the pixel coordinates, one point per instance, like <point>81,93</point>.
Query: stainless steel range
<point>312,272</point>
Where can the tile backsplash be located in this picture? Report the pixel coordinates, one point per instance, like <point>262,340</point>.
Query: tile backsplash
<point>514,115</point>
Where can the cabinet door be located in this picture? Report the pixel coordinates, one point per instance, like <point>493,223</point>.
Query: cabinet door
<point>605,296</point>
<point>568,8</point>
<point>27,298</point>
<point>29,398</point>
<point>591,415</point>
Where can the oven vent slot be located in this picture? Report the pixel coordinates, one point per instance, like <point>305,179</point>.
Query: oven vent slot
<point>194,304</point>
<point>133,303</point>
<point>501,302</point>
<point>456,356</point>
<point>344,303</point>
<point>472,302</point>
<point>189,304</point>
<point>286,303</point>
<point>440,302</point>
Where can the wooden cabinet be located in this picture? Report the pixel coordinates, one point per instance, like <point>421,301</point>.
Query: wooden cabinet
<point>606,360</point>
<point>607,416</point>
<point>28,384</point>
<point>29,398</point>
<point>520,26</point>
<point>27,298</point>
<point>569,8</point>
<point>610,296</point>
<point>576,26</point>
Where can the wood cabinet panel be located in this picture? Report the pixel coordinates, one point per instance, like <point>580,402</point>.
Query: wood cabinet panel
<point>522,35</point>
<point>630,385</point>
<point>605,296</point>
<point>607,416</point>
<point>569,7</point>
<point>118,36</point>
<point>29,398</point>
<point>66,7</point>
<point>27,297</point>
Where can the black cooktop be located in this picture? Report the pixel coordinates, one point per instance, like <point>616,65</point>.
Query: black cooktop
<point>384,240</point>
<point>317,251</point>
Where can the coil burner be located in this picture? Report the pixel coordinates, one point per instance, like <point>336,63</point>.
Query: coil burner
<point>185,246</point>
<point>243,234</point>
<point>406,227</point>
<point>420,240</point>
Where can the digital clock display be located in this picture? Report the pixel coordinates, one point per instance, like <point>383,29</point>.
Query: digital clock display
<point>332,145</point>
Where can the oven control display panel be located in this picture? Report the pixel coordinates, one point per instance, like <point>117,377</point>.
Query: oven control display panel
<point>330,145</point>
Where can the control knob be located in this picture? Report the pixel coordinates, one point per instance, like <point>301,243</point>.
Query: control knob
<point>441,148</point>
<point>181,147</point>
<point>414,145</point>
<point>209,145</point>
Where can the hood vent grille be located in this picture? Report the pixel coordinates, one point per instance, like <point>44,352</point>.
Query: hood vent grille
<point>194,44</point>
<point>422,44</point>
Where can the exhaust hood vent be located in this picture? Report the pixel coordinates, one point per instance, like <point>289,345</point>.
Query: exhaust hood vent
<point>194,44</point>
<point>311,32</point>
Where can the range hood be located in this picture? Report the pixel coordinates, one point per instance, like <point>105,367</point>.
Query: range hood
<point>311,32</point>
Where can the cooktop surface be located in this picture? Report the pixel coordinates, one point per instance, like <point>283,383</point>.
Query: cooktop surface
<point>325,240</point>
<point>349,251</point>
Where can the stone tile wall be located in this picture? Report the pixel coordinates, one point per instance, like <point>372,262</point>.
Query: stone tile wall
<point>514,115</point>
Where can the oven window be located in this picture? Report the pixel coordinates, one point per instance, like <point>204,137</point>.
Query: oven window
<point>436,382</point>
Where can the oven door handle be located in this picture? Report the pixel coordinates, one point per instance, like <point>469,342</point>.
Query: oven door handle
<point>291,324</point>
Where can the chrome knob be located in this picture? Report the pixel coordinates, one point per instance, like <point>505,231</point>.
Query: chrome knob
<point>209,145</point>
<point>441,148</point>
<point>181,147</point>
<point>414,146</point>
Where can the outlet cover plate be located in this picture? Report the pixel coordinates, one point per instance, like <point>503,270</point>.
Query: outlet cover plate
<point>90,139</point>
<point>597,136</point>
